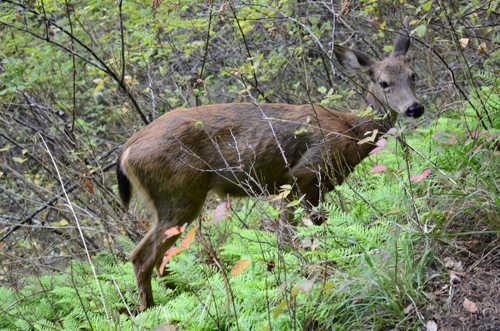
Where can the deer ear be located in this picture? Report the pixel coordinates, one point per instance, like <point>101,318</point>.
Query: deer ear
<point>402,42</point>
<point>353,59</point>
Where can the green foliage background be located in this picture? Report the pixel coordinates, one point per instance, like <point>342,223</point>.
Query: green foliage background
<point>370,266</point>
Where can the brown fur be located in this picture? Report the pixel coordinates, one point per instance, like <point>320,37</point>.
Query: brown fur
<point>231,149</point>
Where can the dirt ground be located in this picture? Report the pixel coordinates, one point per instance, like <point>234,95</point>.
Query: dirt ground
<point>470,300</point>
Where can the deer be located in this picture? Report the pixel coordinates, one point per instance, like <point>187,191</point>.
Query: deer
<point>236,148</point>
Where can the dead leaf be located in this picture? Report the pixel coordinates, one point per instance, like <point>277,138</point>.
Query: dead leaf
<point>470,306</point>
<point>307,222</point>
<point>279,308</point>
<point>310,242</point>
<point>239,267</point>
<point>381,143</point>
<point>5,149</point>
<point>369,139</point>
<point>88,185</point>
<point>408,309</point>
<point>221,212</point>
<point>421,176</point>
<point>346,7</point>
<point>450,263</point>
<point>378,168</point>
<point>431,326</point>
<point>481,50</point>
<point>165,327</point>
<point>174,231</point>
<point>470,243</point>
<point>304,286</point>
<point>284,192</point>
<point>188,239</point>
<point>19,159</point>
<point>464,42</point>
<point>168,255</point>
<point>393,211</point>
<point>156,4</point>
<point>454,277</point>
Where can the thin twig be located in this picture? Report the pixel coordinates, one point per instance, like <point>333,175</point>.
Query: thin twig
<point>70,206</point>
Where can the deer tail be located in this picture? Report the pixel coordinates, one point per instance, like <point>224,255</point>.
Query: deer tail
<point>124,186</point>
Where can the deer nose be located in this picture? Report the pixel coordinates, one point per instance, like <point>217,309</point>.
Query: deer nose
<point>415,110</point>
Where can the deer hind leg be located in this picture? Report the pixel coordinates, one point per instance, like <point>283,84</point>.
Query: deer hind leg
<point>150,250</point>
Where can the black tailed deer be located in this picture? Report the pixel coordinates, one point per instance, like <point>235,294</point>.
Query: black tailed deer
<point>243,147</point>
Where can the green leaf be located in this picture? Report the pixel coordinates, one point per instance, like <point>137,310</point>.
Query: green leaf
<point>19,160</point>
<point>426,6</point>
<point>420,30</point>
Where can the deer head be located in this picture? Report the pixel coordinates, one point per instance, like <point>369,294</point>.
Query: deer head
<point>391,81</point>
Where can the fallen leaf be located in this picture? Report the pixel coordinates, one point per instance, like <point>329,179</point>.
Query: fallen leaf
<point>450,263</point>
<point>378,168</point>
<point>453,277</point>
<point>431,326</point>
<point>393,211</point>
<point>421,176</point>
<point>188,239</point>
<point>470,243</point>
<point>284,192</point>
<point>88,185</point>
<point>470,306</point>
<point>481,50</point>
<point>408,309</point>
<point>368,139</point>
<point>464,42</point>
<point>19,159</point>
<point>168,255</point>
<point>175,230</point>
<point>221,212</point>
<point>304,286</point>
<point>380,146</point>
<point>239,267</point>
<point>307,221</point>
<point>5,149</point>
<point>279,308</point>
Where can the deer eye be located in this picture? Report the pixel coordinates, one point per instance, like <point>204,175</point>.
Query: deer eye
<point>384,85</point>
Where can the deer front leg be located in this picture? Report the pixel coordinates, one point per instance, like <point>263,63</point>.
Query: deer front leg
<point>308,184</point>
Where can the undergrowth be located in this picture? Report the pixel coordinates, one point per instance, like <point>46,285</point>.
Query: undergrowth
<point>369,266</point>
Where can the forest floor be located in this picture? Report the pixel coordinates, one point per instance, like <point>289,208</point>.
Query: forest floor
<point>471,298</point>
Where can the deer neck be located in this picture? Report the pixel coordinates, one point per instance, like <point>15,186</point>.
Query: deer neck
<point>382,119</point>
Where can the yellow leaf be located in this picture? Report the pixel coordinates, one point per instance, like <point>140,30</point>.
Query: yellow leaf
<point>393,211</point>
<point>5,149</point>
<point>239,267</point>
<point>284,192</point>
<point>328,286</point>
<point>62,222</point>
<point>279,308</point>
<point>188,239</point>
<point>370,138</point>
<point>19,159</point>
<point>481,50</point>
<point>128,79</point>
<point>100,84</point>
